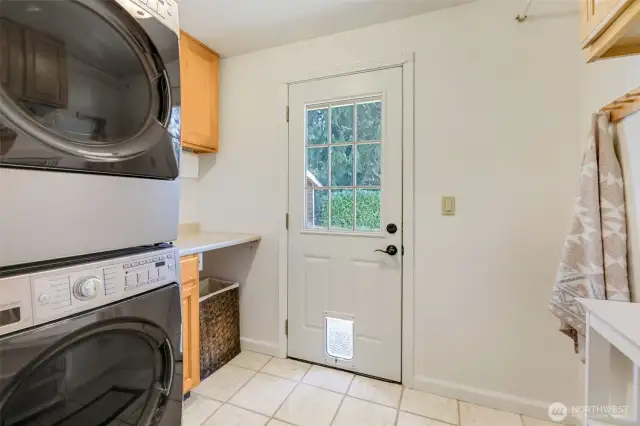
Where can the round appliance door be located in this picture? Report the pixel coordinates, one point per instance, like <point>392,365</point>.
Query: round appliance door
<point>117,374</point>
<point>81,77</point>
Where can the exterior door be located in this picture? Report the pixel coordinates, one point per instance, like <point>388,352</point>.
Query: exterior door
<point>345,230</point>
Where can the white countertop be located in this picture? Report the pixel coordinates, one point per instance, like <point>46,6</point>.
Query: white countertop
<point>196,241</point>
<point>618,322</point>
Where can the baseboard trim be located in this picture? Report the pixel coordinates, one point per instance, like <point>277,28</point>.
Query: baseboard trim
<point>487,398</point>
<point>260,346</point>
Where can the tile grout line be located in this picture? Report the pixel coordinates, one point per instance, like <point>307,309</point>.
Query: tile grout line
<point>333,419</point>
<point>249,410</point>
<point>255,373</point>
<point>253,411</point>
<point>344,395</point>
<point>273,417</point>
<point>241,387</point>
<point>210,415</point>
<point>399,405</point>
<point>459,416</point>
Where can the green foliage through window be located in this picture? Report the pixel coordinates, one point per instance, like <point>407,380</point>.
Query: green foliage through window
<point>342,124</point>
<point>317,129</point>
<point>332,166</point>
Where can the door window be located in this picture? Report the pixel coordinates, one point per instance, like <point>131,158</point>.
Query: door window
<point>104,377</point>
<point>75,74</point>
<point>343,165</point>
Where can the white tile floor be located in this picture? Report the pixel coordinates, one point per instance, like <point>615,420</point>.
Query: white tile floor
<point>255,389</point>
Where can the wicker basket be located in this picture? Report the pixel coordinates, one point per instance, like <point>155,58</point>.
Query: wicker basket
<point>219,324</point>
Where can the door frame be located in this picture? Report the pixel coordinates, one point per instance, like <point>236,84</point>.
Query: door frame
<point>406,62</point>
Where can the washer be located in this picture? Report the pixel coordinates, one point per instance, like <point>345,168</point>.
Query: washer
<point>93,342</point>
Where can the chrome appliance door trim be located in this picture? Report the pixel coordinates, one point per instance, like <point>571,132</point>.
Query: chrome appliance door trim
<point>138,315</point>
<point>154,127</point>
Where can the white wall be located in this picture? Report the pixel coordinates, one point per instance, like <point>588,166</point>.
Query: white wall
<point>188,200</point>
<point>497,125</point>
<point>189,173</point>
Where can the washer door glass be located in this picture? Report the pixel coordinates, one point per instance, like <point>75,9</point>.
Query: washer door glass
<point>81,77</point>
<point>110,377</point>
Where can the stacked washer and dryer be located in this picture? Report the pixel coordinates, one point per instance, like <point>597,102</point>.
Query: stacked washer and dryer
<point>90,321</point>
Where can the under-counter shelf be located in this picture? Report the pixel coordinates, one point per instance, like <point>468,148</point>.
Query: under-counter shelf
<point>612,371</point>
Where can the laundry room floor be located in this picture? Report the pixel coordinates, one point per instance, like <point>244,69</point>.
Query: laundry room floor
<point>257,390</point>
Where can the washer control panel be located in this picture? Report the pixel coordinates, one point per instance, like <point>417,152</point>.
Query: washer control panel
<point>69,290</point>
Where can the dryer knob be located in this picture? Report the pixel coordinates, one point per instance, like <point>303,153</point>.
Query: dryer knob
<point>86,288</point>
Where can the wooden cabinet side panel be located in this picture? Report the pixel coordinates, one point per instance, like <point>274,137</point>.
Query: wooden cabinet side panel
<point>195,335</point>
<point>189,277</point>
<point>191,336</point>
<point>188,269</point>
<point>199,89</point>
<point>215,102</point>
<point>187,376</point>
<point>619,38</point>
<point>597,15</point>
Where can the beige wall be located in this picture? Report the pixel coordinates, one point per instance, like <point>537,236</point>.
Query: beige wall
<point>188,200</point>
<point>498,126</point>
<point>189,173</point>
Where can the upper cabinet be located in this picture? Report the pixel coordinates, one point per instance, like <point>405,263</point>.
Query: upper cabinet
<point>199,89</point>
<point>610,28</point>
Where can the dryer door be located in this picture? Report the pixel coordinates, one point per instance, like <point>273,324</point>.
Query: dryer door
<point>119,370</point>
<point>86,86</point>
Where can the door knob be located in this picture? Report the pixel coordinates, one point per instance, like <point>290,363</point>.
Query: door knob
<point>391,250</point>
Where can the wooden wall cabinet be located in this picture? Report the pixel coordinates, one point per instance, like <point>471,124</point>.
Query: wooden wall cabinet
<point>199,91</point>
<point>190,322</point>
<point>610,28</point>
<point>33,66</point>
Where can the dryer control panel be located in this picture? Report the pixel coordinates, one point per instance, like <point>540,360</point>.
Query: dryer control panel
<point>28,300</point>
<point>166,11</point>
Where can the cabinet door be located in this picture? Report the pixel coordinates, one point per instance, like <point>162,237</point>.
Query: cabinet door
<point>11,57</point>
<point>190,323</point>
<point>199,89</point>
<point>597,15</point>
<point>46,70</point>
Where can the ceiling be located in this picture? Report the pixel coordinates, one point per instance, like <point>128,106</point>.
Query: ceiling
<point>233,27</point>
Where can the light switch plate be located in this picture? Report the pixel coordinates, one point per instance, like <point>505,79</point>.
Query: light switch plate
<point>448,206</point>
